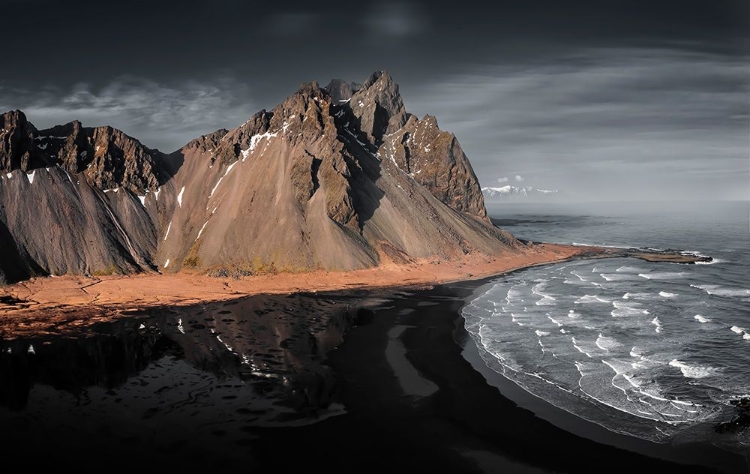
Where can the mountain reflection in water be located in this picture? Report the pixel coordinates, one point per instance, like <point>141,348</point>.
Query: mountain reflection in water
<point>192,380</point>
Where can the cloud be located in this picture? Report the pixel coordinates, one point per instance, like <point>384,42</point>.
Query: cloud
<point>161,115</point>
<point>519,178</point>
<point>395,21</point>
<point>502,180</point>
<point>679,120</point>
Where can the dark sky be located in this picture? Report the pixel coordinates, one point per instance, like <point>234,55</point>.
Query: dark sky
<point>602,99</point>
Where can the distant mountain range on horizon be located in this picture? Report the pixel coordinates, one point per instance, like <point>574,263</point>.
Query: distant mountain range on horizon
<point>519,193</point>
<point>340,177</point>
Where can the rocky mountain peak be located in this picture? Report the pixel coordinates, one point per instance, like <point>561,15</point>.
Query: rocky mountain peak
<point>430,156</point>
<point>376,76</point>
<point>107,157</point>
<point>302,118</point>
<point>208,142</point>
<point>341,91</point>
<point>13,119</point>
<point>377,106</point>
<point>309,102</point>
<point>118,160</point>
<point>17,149</point>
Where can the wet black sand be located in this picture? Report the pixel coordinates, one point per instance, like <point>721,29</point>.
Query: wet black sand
<point>451,419</point>
<point>407,388</point>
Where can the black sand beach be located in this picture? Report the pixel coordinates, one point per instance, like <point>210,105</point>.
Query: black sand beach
<point>426,408</point>
<point>406,391</point>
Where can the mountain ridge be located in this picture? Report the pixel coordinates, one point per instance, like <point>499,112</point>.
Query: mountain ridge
<point>510,191</point>
<point>106,155</point>
<point>338,177</point>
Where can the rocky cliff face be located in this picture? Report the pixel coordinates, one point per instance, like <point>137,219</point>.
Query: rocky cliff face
<point>17,148</point>
<point>436,161</point>
<point>337,178</point>
<point>106,157</point>
<point>430,156</point>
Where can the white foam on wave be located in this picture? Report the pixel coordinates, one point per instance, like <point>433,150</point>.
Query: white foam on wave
<point>627,269</point>
<point>643,361</point>
<point>579,277</point>
<point>514,318</point>
<point>568,281</point>
<point>662,275</point>
<point>713,260</point>
<point>717,290</point>
<point>742,331</point>
<point>636,386</point>
<point>693,253</point>
<point>653,396</point>
<point>546,301</point>
<point>582,366</point>
<point>513,295</point>
<point>606,343</point>
<point>637,296</point>
<point>620,368</point>
<point>638,397</point>
<point>590,299</point>
<point>689,404</point>
<point>692,371</point>
<point>579,349</point>
<point>627,309</point>
<point>657,323</point>
<point>615,276</point>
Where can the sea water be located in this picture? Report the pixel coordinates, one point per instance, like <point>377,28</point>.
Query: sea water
<point>653,350</point>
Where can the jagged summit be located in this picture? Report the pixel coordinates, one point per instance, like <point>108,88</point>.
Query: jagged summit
<point>342,91</point>
<point>17,149</point>
<point>105,156</point>
<point>337,178</point>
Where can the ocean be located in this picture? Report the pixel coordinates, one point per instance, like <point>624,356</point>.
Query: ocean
<point>653,350</point>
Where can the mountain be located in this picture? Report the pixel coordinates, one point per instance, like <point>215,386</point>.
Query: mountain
<point>337,178</point>
<point>56,214</point>
<point>518,193</point>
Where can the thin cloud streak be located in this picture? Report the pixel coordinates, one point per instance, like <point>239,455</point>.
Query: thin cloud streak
<point>160,115</point>
<point>593,120</point>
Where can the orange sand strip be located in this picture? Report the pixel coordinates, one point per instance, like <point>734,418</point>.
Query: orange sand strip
<point>74,300</point>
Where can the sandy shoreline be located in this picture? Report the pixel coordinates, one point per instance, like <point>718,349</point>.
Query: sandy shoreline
<point>54,303</point>
<point>59,304</point>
